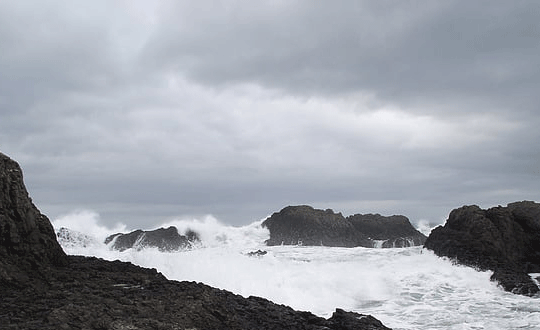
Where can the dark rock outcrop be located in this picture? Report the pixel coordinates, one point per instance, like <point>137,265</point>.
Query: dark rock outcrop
<point>392,231</point>
<point>27,239</point>
<point>304,225</point>
<point>165,239</point>
<point>505,240</point>
<point>42,288</point>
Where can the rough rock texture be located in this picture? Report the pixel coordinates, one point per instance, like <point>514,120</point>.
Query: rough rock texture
<point>27,240</point>
<point>42,288</point>
<point>305,225</point>
<point>503,239</point>
<point>165,239</point>
<point>393,231</point>
<point>91,293</point>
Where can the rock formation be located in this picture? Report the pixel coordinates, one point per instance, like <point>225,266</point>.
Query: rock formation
<point>304,225</point>
<point>42,288</point>
<point>505,240</point>
<point>392,231</point>
<point>165,239</point>
<point>27,239</point>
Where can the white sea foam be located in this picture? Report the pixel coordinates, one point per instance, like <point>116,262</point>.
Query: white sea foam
<point>408,288</point>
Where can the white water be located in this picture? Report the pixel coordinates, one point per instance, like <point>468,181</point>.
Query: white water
<point>407,288</point>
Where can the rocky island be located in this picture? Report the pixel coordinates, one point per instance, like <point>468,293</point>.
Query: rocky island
<point>304,225</point>
<point>505,240</point>
<point>43,288</point>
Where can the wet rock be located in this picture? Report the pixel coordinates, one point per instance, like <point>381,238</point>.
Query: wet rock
<point>304,225</point>
<point>395,230</point>
<point>165,239</point>
<point>503,239</point>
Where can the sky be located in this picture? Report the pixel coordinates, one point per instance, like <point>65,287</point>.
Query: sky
<point>146,111</point>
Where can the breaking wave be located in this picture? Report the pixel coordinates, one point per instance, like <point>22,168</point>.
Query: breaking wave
<point>406,288</point>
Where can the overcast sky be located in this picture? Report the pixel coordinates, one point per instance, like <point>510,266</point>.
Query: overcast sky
<point>143,111</point>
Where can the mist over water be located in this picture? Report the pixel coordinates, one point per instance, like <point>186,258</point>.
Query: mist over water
<point>407,288</point>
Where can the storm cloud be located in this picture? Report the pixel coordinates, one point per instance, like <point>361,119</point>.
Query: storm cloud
<point>144,111</point>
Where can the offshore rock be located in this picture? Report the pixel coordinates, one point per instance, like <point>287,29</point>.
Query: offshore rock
<point>394,231</point>
<point>165,239</point>
<point>42,288</point>
<point>505,240</point>
<point>304,225</point>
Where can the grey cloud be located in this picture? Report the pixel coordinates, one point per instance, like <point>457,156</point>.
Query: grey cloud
<point>480,53</point>
<point>238,109</point>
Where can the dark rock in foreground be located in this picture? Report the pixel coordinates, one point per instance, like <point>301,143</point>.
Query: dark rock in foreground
<point>165,239</point>
<point>304,225</point>
<point>42,288</point>
<point>91,293</point>
<point>27,239</point>
<point>503,239</point>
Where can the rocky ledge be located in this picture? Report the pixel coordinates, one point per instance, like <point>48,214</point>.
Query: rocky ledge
<point>42,288</point>
<point>505,240</point>
<point>304,225</point>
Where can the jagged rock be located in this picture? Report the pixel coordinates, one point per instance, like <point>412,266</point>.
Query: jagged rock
<point>166,240</point>
<point>304,225</point>
<point>393,231</point>
<point>71,238</point>
<point>27,239</point>
<point>42,288</point>
<point>503,239</point>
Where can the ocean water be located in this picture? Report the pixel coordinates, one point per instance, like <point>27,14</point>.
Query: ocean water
<point>405,288</point>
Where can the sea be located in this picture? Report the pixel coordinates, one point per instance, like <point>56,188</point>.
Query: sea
<point>405,288</point>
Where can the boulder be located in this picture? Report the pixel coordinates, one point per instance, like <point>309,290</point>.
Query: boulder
<point>165,239</point>
<point>304,225</point>
<point>505,240</point>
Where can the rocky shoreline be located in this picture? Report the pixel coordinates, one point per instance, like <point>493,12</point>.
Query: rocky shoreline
<point>91,293</point>
<point>43,288</point>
